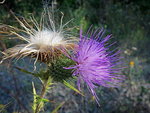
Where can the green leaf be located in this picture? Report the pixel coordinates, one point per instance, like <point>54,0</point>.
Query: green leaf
<point>58,107</point>
<point>25,71</point>
<point>34,98</point>
<point>50,81</point>
<point>39,99</point>
<point>72,87</point>
<point>39,102</point>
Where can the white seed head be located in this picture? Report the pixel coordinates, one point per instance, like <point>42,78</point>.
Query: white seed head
<point>47,38</point>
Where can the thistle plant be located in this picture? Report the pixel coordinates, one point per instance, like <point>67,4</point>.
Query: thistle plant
<point>86,58</point>
<point>45,42</point>
<point>95,64</point>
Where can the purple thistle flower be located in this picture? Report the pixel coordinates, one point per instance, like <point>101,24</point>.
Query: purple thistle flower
<point>95,64</point>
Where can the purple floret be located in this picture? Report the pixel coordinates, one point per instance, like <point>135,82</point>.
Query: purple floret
<point>95,64</point>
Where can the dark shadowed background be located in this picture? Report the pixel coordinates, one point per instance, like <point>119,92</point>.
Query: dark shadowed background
<point>127,20</point>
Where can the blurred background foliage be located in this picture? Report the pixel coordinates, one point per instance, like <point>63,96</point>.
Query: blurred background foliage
<point>127,20</point>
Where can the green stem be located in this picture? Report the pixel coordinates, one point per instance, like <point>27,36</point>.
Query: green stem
<point>42,95</point>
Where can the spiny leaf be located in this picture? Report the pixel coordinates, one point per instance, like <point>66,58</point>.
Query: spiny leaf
<point>50,81</point>
<point>58,107</point>
<point>72,87</point>
<point>39,99</point>
<point>40,102</point>
<point>34,98</point>
<point>25,71</point>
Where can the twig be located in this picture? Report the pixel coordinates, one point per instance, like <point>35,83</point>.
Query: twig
<point>43,93</point>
